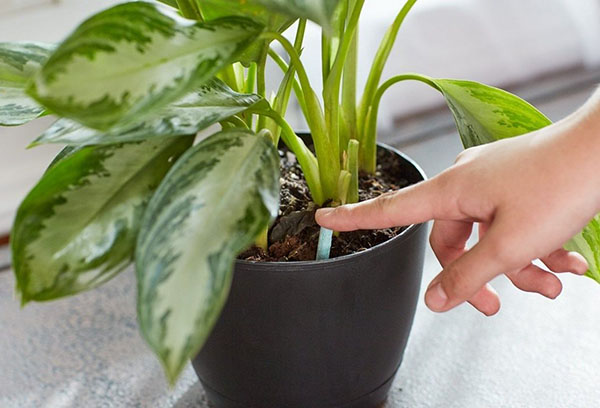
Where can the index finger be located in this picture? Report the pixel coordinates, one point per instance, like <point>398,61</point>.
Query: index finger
<point>412,205</point>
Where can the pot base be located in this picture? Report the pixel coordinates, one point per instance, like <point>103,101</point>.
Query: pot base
<point>374,399</point>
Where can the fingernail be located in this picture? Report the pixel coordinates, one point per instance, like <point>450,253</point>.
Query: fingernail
<point>436,298</point>
<point>324,212</point>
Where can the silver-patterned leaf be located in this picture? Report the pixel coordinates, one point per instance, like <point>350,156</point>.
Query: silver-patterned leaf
<point>127,61</point>
<point>78,227</point>
<point>214,202</point>
<point>18,64</point>
<point>210,104</point>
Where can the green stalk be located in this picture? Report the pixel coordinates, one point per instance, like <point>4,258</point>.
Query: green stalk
<point>325,56</point>
<point>368,152</point>
<point>228,76</point>
<point>349,117</point>
<point>379,62</point>
<point>295,84</point>
<point>308,162</point>
<point>238,72</point>
<point>331,92</point>
<point>189,9</point>
<point>327,152</point>
<point>261,83</point>
<point>285,88</point>
<point>344,185</point>
<point>251,78</point>
<point>353,149</point>
<point>249,85</point>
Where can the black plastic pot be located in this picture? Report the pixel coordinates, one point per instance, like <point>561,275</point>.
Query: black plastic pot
<point>316,334</point>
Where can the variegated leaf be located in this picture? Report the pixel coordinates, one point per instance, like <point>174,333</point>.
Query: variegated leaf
<point>214,202</point>
<point>78,227</point>
<point>485,114</point>
<point>210,104</point>
<point>18,63</point>
<point>134,58</point>
<point>319,11</point>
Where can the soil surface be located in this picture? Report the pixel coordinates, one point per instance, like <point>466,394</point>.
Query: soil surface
<point>295,235</point>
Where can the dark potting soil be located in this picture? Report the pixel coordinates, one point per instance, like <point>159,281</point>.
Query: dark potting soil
<point>295,235</point>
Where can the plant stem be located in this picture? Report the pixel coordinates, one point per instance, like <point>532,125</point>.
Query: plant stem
<point>228,75</point>
<point>349,117</point>
<point>331,92</point>
<point>368,152</point>
<point>327,153</point>
<point>379,62</point>
<point>189,9</point>
<point>284,92</point>
<point>261,86</point>
<point>344,185</point>
<point>353,148</point>
<point>251,78</point>
<point>295,84</point>
<point>308,162</point>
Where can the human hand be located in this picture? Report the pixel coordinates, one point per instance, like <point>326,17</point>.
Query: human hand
<point>529,195</point>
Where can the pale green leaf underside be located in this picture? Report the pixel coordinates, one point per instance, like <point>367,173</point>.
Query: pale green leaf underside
<point>77,228</point>
<point>210,104</point>
<point>319,11</point>
<point>131,59</point>
<point>213,203</point>
<point>485,114</point>
<point>18,63</point>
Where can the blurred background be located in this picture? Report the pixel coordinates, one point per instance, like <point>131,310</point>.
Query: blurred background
<point>544,50</point>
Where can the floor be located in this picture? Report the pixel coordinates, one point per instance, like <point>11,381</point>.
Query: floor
<point>86,351</point>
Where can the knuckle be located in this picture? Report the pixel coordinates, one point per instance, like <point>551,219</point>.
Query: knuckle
<point>457,283</point>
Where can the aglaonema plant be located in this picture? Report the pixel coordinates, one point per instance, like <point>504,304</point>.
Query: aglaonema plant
<point>133,85</point>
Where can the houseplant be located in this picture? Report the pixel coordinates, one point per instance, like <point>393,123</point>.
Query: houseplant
<point>134,84</point>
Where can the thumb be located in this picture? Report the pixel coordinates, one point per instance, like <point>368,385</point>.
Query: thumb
<point>463,278</point>
<point>411,205</point>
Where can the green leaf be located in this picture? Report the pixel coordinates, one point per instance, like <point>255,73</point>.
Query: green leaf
<point>132,59</point>
<point>77,228</point>
<point>587,243</point>
<point>214,202</point>
<point>484,114</point>
<point>18,64</point>
<point>210,104</point>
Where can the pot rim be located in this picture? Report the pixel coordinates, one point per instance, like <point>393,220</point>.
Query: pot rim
<point>281,266</point>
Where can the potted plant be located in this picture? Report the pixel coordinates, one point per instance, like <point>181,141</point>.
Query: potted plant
<point>131,87</point>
